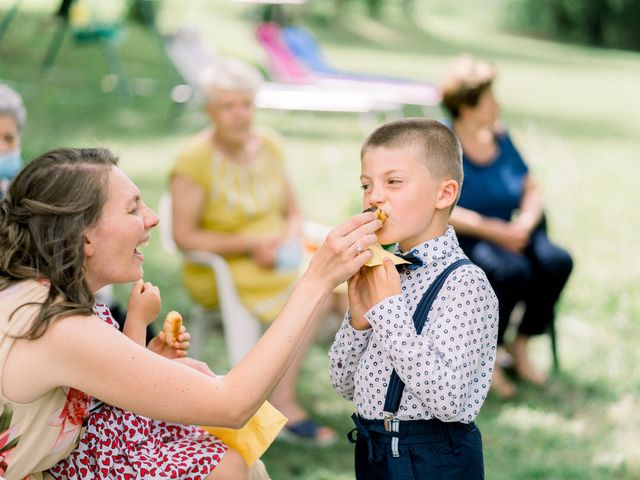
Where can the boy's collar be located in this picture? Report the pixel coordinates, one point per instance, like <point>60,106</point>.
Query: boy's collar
<point>436,247</point>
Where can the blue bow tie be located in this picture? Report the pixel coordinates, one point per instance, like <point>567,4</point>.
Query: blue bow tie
<point>414,260</point>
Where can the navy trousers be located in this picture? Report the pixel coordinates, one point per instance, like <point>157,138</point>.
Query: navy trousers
<point>537,277</point>
<point>428,450</point>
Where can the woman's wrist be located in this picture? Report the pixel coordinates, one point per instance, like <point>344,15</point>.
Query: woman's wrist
<point>134,320</point>
<point>527,221</point>
<point>316,282</point>
<point>492,229</point>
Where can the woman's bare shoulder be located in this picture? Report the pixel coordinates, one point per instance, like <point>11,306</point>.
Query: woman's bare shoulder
<point>43,359</point>
<point>75,324</point>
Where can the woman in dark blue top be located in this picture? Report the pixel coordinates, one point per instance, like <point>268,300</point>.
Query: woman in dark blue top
<point>499,217</point>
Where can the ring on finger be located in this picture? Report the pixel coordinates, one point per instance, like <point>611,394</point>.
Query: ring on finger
<point>357,247</point>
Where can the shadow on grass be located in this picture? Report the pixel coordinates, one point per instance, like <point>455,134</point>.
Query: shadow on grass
<point>561,432</point>
<point>554,433</point>
<point>542,434</point>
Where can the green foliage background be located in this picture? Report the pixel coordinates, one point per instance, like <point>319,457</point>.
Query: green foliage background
<point>608,23</point>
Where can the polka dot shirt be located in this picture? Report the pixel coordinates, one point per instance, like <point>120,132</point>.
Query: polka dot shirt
<point>447,368</point>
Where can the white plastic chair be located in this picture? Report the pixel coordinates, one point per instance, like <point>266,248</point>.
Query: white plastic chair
<point>241,328</point>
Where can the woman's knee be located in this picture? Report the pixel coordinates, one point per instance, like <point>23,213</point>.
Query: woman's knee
<point>551,258</point>
<point>231,467</point>
<point>557,263</point>
<point>515,274</point>
<point>564,262</point>
<point>502,266</point>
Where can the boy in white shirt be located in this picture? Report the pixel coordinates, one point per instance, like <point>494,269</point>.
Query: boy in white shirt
<point>440,342</point>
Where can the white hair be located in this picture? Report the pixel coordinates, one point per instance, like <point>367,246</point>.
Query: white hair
<point>11,105</point>
<point>229,74</point>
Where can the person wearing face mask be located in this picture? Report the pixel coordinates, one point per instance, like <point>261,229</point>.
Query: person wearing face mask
<point>12,118</point>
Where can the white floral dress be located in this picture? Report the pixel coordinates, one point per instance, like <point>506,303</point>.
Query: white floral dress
<point>34,435</point>
<point>123,445</point>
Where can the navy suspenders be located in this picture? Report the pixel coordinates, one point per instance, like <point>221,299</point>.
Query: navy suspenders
<point>420,316</point>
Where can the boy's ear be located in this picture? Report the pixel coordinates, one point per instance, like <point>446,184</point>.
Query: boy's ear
<point>447,194</point>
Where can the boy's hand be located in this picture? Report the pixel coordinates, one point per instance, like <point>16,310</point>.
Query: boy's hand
<point>357,307</point>
<point>369,287</point>
<point>144,303</point>
<point>196,365</point>
<point>180,348</point>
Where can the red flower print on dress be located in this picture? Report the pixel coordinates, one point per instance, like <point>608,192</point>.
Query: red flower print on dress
<point>117,444</point>
<point>69,418</point>
<point>8,438</point>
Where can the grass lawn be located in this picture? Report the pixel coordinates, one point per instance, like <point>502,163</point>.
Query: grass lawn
<point>574,113</point>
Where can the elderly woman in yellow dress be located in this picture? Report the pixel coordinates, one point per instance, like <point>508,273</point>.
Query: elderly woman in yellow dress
<point>231,196</point>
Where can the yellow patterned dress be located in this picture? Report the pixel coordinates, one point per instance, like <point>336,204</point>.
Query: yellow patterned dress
<point>240,199</point>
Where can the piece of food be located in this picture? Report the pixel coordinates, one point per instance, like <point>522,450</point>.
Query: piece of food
<point>171,327</point>
<point>380,214</point>
<point>379,254</point>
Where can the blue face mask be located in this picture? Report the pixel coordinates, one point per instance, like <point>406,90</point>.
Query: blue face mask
<point>10,164</point>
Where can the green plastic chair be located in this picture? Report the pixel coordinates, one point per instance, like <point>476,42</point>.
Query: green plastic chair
<point>88,31</point>
<point>8,18</point>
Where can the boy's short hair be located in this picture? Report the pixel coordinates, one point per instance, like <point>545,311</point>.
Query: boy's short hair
<point>440,146</point>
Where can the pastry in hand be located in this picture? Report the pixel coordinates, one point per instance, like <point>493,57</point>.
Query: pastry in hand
<point>379,253</point>
<point>380,214</point>
<point>171,328</point>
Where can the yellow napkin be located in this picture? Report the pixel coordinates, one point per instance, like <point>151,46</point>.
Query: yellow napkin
<point>252,440</point>
<point>379,254</point>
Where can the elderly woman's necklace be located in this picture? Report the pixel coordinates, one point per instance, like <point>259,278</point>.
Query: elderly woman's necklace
<point>242,155</point>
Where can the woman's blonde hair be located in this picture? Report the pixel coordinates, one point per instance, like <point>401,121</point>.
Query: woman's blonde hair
<point>465,81</point>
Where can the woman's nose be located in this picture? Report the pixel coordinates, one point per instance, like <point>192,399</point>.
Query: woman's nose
<point>151,219</point>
